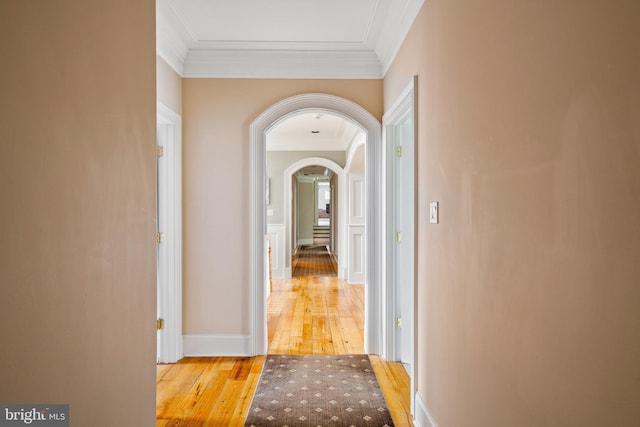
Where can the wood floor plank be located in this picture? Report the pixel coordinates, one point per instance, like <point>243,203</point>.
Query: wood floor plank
<point>171,396</point>
<point>224,410</point>
<point>162,370</point>
<point>203,394</point>
<point>246,396</point>
<point>397,401</point>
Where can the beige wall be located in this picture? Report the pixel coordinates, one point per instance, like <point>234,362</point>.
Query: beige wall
<point>169,86</point>
<point>306,210</point>
<point>529,137</point>
<point>77,217</point>
<point>216,118</point>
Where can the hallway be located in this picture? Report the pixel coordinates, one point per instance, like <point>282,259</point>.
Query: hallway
<point>314,260</point>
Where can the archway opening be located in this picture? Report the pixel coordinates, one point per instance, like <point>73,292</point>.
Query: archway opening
<point>358,116</point>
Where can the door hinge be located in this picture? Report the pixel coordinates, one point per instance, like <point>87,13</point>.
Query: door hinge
<point>399,236</point>
<point>159,150</point>
<point>399,322</point>
<point>399,151</point>
<point>159,324</point>
<point>159,237</point>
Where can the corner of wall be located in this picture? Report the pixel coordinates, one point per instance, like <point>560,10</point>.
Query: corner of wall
<point>422,417</point>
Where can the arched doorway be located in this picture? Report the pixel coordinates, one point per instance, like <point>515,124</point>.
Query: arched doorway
<point>289,172</point>
<point>374,313</point>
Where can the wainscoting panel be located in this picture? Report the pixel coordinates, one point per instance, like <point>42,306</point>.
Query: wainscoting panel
<point>275,235</point>
<point>356,199</point>
<point>357,254</point>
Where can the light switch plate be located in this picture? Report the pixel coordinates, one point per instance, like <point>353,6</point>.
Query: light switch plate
<point>433,213</point>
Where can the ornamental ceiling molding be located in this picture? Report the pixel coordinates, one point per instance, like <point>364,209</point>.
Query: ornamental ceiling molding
<point>190,58</point>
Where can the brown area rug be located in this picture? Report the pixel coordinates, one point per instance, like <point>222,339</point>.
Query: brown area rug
<point>318,391</point>
<point>313,261</point>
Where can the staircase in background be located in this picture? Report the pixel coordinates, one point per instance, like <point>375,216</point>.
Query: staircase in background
<point>321,235</point>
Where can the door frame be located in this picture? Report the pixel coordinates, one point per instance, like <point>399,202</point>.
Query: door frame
<point>169,126</point>
<point>258,129</point>
<point>288,208</point>
<point>405,104</point>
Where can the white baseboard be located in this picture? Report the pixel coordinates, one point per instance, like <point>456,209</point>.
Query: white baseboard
<point>215,345</point>
<point>305,242</point>
<point>423,417</point>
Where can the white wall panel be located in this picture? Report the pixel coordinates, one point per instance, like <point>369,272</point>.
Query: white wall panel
<point>356,199</point>
<point>275,235</point>
<point>357,253</point>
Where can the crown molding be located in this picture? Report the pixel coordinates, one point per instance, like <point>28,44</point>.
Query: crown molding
<point>280,45</point>
<point>395,29</point>
<point>282,64</point>
<point>172,51</point>
<point>371,59</point>
<point>172,41</point>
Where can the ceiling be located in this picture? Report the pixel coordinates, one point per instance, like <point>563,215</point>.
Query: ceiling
<point>282,38</point>
<point>312,131</point>
<point>314,173</point>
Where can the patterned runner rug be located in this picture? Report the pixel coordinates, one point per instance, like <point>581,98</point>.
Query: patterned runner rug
<point>318,391</point>
<point>313,261</point>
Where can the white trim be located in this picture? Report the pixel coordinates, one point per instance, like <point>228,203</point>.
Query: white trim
<point>357,196</point>
<point>370,59</point>
<point>170,254</point>
<point>172,44</point>
<point>215,345</point>
<point>276,234</point>
<point>423,418</point>
<point>405,104</point>
<point>374,227</point>
<point>288,173</point>
<point>359,140</point>
<point>282,64</point>
<point>396,27</point>
<point>355,254</point>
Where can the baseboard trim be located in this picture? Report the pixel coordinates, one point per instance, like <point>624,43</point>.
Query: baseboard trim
<point>423,417</point>
<point>215,345</point>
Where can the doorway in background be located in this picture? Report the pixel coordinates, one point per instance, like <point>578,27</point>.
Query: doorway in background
<point>374,317</point>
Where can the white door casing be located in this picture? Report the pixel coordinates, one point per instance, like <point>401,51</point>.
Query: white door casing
<point>169,137</point>
<point>399,125</point>
<point>374,313</point>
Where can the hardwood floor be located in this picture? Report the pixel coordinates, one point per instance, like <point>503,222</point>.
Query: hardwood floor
<point>315,315</point>
<point>206,391</point>
<point>308,315</point>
